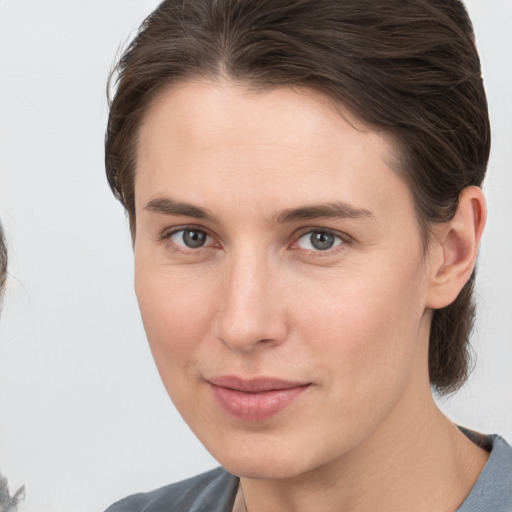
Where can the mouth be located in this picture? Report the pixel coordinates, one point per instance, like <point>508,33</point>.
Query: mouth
<point>255,399</point>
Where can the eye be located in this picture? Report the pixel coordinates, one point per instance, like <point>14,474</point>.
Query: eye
<point>319,240</point>
<point>189,238</point>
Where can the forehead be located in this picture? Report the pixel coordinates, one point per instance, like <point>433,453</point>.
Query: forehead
<point>293,140</point>
<point>226,113</point>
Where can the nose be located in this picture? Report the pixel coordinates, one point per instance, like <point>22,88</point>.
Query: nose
<point>250,310</point>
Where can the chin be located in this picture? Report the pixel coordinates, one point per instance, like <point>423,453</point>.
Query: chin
<point>264,462</point>
<point>269,469</point>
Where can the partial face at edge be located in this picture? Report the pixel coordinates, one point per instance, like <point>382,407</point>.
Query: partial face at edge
<point>273,241</point>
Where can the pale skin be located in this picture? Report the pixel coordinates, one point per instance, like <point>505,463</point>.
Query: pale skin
<point>251,177</point>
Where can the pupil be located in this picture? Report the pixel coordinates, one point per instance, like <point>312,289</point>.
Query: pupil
<point>194,239</point>
<point>322,241</point>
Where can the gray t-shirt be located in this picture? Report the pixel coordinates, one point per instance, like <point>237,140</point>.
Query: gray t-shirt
<point>215,490</point>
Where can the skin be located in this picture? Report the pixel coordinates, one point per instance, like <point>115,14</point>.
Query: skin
<point>258,299</point>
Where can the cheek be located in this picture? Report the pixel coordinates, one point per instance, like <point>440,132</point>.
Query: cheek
<point>176,314</point>
<point>364,331</point>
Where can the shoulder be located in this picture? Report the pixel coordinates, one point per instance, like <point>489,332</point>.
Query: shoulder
<point>493,489</point>
<point>213,491</point>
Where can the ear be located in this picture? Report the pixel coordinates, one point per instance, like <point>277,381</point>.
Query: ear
<point>454,248</point>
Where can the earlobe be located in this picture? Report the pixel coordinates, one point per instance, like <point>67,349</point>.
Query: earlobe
<point>455,248</point>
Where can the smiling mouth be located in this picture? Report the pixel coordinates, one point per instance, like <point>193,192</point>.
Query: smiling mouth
<point>255,399</point>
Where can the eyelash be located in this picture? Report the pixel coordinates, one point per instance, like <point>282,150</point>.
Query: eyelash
<point>166,238</point>
<point>342,240</point>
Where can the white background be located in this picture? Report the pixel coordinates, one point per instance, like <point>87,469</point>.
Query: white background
<point>84,418</point>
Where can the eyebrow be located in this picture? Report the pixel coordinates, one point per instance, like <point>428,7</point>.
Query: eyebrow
<point>334,210</point>
<point>167,206</point>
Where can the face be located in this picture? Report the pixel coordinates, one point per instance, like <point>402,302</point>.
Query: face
<point>280,274</point>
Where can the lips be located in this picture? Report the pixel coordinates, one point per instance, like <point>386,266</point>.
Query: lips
<point>255,399</point>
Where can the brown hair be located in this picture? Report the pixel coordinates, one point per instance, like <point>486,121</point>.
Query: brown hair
<point>409,67</point>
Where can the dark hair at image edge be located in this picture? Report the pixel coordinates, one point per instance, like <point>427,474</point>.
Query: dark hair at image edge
<point>408,67</point>
<point>3,263</point>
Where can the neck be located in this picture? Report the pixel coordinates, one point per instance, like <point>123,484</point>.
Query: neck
<point>427,465</point>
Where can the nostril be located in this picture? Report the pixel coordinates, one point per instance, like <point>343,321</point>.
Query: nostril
<point>250,338</point>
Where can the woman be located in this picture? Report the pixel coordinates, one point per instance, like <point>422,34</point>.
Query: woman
<point>8,503</point>
<point>303,182</point>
